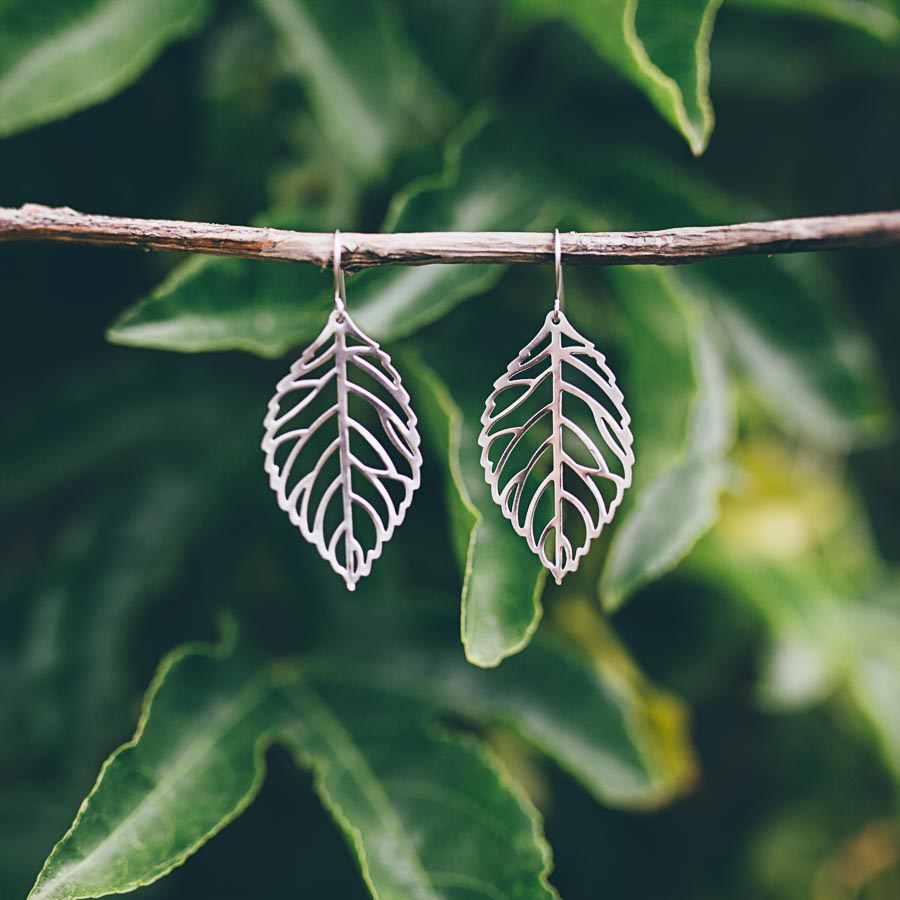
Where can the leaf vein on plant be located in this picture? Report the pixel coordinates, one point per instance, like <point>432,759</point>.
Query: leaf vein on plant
<point>424,791</point>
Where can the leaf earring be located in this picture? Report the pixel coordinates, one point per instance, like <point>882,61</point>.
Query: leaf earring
<point>560,475</point>
<point>341,445</point>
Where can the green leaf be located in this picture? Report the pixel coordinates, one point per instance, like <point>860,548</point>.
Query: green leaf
<point>680,504</point>
<point>195,762</point>
<point>106,416</point>
<point>662,46</point>
<point>479,190</point>
<point>267,308</point>
<point>590,720</point>
<point>112,560</point>
<point>814,370</point>
<point>822,638</point>
<point>60,56</point>
<point>368,88</point>
<point>362,712</point>
<point>502,578</point>
<point>805,357</point>
<point>212,303</point>
<point>793,545</point>
<point>383,776</point>
<point>873,680</point>
<point>148,491</point>
<point>877,17</point>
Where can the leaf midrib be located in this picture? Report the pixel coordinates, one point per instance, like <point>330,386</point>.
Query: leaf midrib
<point>348,752</point>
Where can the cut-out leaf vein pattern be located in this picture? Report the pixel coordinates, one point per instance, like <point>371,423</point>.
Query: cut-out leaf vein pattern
<point>342,448</point>
<point>560,475</point>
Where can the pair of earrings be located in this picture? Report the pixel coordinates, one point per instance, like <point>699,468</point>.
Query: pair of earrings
<point>343,451</point>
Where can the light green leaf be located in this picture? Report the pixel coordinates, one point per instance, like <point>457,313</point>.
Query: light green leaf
<point>804,616</point>
<point>60,56</point>
<point>824,636</point>
<point>502,578</point>
<point>680,503</point>
<point>267,308</point>
<point>368,89</point>
<point>195,762</point>
<point>660,45</point>
<point>873,680</point>
<point>428,815</point>
<point>877,17</point>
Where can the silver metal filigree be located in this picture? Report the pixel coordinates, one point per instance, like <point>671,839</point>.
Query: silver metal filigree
<point>345,487</point>
<point>559,475</point>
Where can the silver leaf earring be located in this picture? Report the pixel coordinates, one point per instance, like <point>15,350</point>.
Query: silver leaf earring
<point>559,475</point>
<point>341,445</point>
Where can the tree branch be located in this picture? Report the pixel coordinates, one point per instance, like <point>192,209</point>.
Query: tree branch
<point>672,246</point>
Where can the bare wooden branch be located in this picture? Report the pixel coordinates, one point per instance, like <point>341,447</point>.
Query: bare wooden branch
<point>672,246</point>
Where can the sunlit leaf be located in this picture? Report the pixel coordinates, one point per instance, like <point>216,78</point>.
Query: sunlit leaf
<point>792,545</point>
<point>60,56</point>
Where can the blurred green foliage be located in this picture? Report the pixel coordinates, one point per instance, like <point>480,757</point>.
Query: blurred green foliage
<point>711,706</point>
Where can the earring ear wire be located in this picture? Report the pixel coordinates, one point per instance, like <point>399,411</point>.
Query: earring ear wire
<point>341,402</point>
<point>560,474</point>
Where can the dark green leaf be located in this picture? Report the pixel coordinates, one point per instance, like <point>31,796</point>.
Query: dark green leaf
<point>673,510</point>
<point>877,17</point>
<point>267,307</point>
<point>660,45</point>
<point>59,56</point>
<point>212,303</point>
<point>111,561</point>
<point>106,417</point>
<point>808,360</point>
<point>812,367</point>
<point>370,92</point>
<point>589,720</point>
<point>502,578</point>
<point>384,777</point>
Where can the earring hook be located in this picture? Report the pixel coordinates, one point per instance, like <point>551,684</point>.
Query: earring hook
<point>340,288</point>
<point>557,259</point>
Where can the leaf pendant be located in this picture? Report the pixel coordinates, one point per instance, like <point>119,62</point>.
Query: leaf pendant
<point>559,475</point>
<point>342,449</point>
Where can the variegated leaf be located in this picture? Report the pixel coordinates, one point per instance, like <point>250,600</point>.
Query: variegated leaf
<point>561,473</point>
<point>342,449</point>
